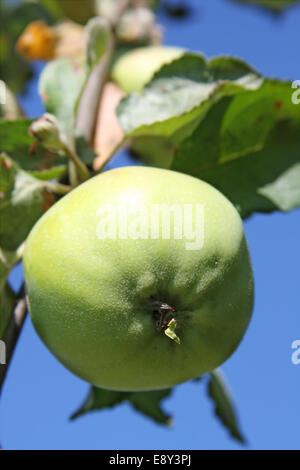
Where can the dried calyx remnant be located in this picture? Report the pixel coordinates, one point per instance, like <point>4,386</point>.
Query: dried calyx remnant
<point>163,315</point>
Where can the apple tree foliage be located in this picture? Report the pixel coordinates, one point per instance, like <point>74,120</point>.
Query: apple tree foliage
<point>218,120</point>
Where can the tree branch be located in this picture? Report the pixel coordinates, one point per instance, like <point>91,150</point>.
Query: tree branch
<point>13,331</point>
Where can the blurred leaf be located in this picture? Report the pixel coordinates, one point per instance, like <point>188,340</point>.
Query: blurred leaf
<point>147,403</point>
<point>98,34</point>
<point>75,10</point>
<point>63,81</point>
<point>15,71</point>
<point>273,5</point>
<point>16,141</point>
<point>60,85</point>
<point>52,7</point>
<point>85,151</point>
<point>23,199</point>
<point>224,408</point>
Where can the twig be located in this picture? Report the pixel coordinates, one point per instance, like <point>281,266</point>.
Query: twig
<point>81,168</point>
<point>91,97</point>
<point>57,188</point>
<point>73,177</point>
<point>88,106</point>
<point>13,331</point>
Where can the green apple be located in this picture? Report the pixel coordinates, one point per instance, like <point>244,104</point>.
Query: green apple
<point>140,279</point>
<point>136,68</point>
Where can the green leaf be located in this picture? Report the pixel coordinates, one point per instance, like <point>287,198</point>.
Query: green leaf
<point>84,150</point>
<point>16,141</point>
<point>63,81</point>
<point>274,5</point>
<point>98,399</point>
<point>147,403</point>
<point>60,85</point>
<point>76,11</point>
<point>241,135</point>
<point>23,199</point>
<point>244,180</point>
<point>51,173</point>
<point>182,92</point>
<point>284,191</point>
<point>224,409</point>
<point>98,35</point>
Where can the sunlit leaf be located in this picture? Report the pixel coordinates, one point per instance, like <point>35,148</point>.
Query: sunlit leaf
<point>23,199</point>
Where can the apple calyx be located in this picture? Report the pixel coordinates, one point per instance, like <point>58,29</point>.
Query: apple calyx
<point>164,320</point>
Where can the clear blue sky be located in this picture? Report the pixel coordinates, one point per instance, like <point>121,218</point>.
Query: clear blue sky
<point>39,394</point>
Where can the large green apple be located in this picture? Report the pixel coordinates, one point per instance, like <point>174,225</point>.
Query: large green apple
<point>140,279</point>
<point>136,68</point>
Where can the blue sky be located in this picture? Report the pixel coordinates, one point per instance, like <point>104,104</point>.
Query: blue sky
<point>40,394</point>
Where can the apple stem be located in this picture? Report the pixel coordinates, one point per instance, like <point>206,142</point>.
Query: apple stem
<point>164,320</point>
